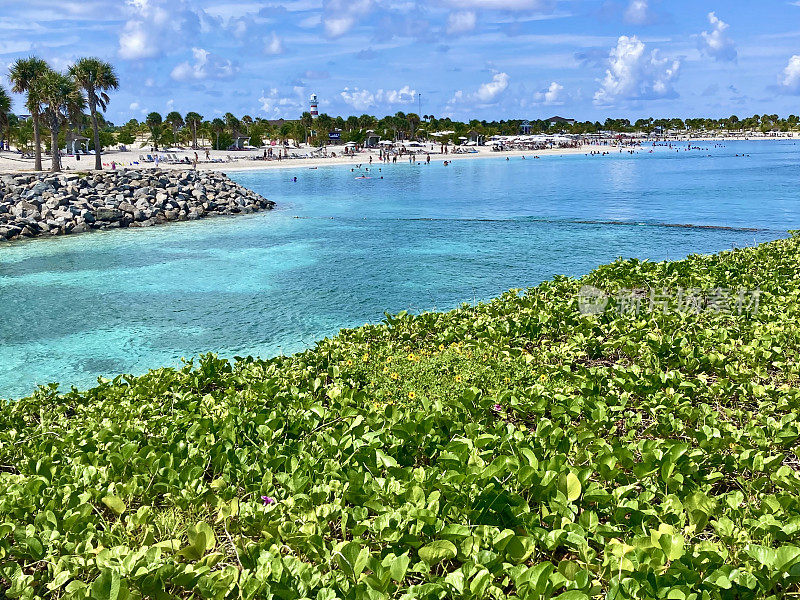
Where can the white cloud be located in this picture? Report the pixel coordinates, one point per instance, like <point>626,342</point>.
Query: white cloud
<point>633,74</point>
<point>155,26</point>
<point>638,13</point>
<point>715,43</point>
<point>273,44</point>
<point>790,80</point>
<point>134,106</point>
<point>358,98</point>
<point>206,66</point>
<point>461,22</point>
<point>361,99</point>
<point>552,95</point>
<point>339,16</point>
<point>487,93</point>
<point>277,105</point>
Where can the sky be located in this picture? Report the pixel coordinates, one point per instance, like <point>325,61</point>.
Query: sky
<point>464,59</point>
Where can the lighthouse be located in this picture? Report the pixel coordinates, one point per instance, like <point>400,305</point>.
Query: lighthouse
<point>314,106</point>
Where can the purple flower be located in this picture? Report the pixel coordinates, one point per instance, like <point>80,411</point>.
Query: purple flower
<point>267,500</point>
<point>497,407</point>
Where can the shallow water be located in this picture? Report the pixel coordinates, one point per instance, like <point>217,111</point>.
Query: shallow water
<point>340,251</point>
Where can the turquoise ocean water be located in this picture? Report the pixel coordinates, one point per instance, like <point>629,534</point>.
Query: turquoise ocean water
<point>339,251</point>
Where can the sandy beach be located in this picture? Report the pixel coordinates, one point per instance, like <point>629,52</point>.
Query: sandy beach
<point>229,161</point>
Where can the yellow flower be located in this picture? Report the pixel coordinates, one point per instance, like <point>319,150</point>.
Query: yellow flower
<point>411,395</point>
<point>458,378</point>
<point>385,370</point>
<point>543,377</point>
<point>366,358</point>
<point>508,379</point>
<point>349,363</point>
<point>411,356</point>
<point>395,376</point>
<point>441,347</point>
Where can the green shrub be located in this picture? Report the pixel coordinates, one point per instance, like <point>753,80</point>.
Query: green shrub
<point>513,449</point>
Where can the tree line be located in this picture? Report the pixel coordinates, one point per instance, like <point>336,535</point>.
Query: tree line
<point>57,102</point>
<point>59,99</point>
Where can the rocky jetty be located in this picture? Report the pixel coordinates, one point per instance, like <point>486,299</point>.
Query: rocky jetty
<point>74,202</point>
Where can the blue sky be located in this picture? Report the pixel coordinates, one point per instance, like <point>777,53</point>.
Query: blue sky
<point>485,59</point>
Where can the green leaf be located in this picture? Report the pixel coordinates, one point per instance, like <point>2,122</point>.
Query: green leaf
<point>201,540</point>
<point>399,567</point>
<point>480,582</point>
<point>786,557</point>
<point>672,545</point>
<point>573,487</point>
<point>572,595</point>
<point>519,548</point>
<point>114,504</point>
<point>106,586</point>
<point>437,551</point>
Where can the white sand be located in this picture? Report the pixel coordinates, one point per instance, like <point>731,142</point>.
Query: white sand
<point>243,160</point>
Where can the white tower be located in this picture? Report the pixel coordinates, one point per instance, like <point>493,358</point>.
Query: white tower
<point>314,106</point>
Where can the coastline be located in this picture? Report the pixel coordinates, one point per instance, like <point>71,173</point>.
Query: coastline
<point>244,160</point>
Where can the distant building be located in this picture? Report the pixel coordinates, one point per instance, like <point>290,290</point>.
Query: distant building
<point>314,106</point>
<point>477,138</point>
<point>555,121</point>
<point>372,139</point>
<point>525,128</point>
<point>240,140</point>
<point>75,142</point>
<point>277,123</point>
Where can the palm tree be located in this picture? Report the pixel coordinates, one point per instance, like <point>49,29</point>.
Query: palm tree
<point>25,75</point>
<point>194,120</point>
<point>231,122</point>
<point>73,111</point>
<point>247,121</point>
<point>57,92</point>
<point>217,126</point>
<point>153,122</point>
<point>175,121</point>
<point>96,77</point>
<point>5,109</point>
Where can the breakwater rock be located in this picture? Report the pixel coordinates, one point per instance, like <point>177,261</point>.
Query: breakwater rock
<point>62,203</point>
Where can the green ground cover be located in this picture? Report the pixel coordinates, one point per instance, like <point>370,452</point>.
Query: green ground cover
<point>513,449</point>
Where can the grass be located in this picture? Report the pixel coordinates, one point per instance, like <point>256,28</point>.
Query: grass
<point>510,449</point>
